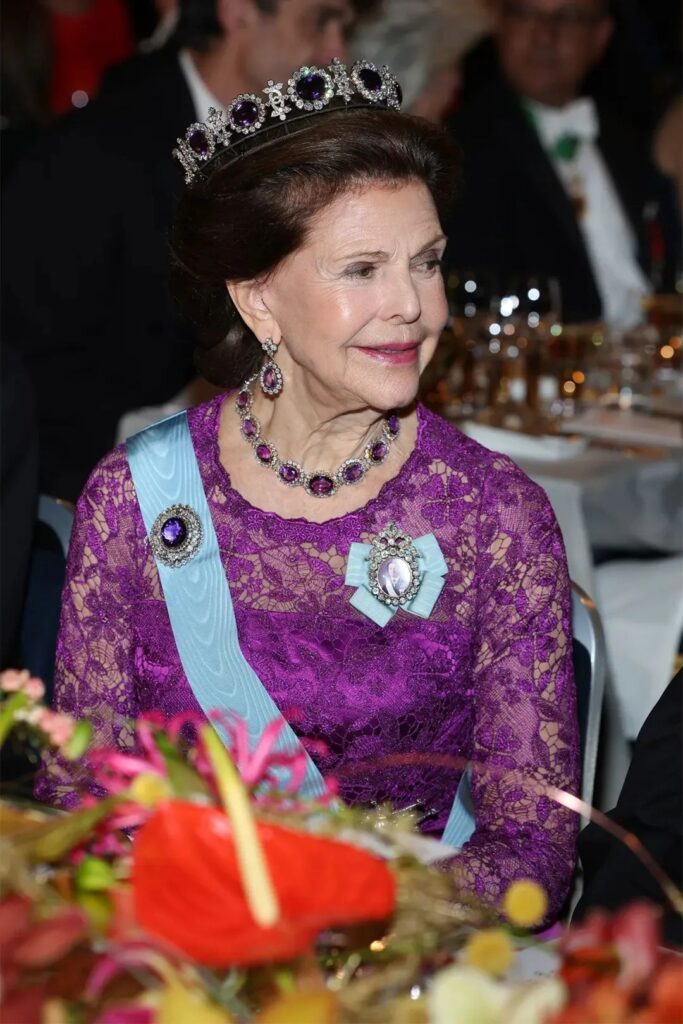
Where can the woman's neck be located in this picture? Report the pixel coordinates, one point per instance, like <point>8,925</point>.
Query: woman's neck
<point>316,434</point>
<point>318,437</point>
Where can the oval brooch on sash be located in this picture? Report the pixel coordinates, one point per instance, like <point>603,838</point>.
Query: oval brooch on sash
<point>176,535</point>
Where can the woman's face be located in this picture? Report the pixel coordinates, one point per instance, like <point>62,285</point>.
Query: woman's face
<point>360,306</point>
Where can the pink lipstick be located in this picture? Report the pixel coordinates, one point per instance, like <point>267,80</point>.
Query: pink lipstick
<point>396,353</point>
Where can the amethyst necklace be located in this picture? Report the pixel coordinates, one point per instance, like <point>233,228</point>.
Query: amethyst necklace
<point>319,484</point>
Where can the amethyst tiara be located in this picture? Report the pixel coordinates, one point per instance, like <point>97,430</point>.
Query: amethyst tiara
<point>309,91</point>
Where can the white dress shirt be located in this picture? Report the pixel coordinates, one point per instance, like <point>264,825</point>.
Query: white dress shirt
<point>137,419</point>
<point>607,234</point>
<point>202,98</point>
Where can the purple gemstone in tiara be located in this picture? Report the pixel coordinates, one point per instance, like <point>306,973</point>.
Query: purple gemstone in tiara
<point>369,81</point>
<point>199,143</point>
<point>246,113</point>
<point>310,88</point>
<point>372,80</point>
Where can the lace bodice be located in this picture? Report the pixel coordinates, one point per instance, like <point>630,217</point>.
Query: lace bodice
<point>487,677</point>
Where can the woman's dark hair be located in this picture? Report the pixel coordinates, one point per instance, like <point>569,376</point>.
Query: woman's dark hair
<point>241,217</point>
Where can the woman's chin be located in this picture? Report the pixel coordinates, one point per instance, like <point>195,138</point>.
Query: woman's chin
<point>392,391</point>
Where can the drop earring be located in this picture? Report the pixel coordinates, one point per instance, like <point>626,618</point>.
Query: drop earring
<point>270,376</point>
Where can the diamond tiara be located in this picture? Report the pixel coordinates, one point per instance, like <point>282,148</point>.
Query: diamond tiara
<point>309,91</point>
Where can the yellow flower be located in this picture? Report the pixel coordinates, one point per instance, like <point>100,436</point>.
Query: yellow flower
<point>317,1007</point>
<point>180,1005</point>
<point>490,950</point>
<point>149,789</point>
<point>525,904</point>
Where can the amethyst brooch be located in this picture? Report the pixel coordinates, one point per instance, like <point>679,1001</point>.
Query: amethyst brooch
<point>176,535</point>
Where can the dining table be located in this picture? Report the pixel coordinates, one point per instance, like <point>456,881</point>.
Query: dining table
<point>619,506</point>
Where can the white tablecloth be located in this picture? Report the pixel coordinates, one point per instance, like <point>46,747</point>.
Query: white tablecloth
<point>615,501</point>
<point>630,504</point>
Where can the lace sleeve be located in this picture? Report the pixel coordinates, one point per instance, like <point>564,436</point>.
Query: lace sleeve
<point>93,667</point>
<point>525,723</point>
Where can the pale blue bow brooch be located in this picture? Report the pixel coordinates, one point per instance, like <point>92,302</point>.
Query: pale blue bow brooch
<point>396,572</point>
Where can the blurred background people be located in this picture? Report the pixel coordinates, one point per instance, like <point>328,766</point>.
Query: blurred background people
<point>166,15</point>
<point>25,75</point>
<point>668,147</point>
<point>88,37</point>
<point>553,181</point>
<point>54,54</point>
<point>85,293</point>
<point>423,41</point>
<point>638,73</point>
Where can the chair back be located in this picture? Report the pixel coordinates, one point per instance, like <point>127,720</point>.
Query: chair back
<point>58,517</point>
<point>590,669</point>
<point>42,605</point>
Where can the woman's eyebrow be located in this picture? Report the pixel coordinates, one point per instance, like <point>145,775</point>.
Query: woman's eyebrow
<point>376,254</point>
<point>380,254</point>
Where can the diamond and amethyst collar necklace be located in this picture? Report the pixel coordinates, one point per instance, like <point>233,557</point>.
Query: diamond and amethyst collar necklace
<point>319,484</point>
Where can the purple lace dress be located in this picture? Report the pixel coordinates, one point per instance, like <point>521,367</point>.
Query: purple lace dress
<point>487,677</point>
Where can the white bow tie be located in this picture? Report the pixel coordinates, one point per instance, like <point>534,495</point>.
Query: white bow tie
<point>578,118</point>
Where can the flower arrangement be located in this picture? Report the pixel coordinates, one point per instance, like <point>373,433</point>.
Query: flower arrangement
<point>238,900</point>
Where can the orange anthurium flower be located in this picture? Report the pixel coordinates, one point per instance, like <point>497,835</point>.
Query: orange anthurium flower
<point>188,889</point>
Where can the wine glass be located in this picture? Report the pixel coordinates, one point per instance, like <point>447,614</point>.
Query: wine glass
<point>536,301</point>
<point>471,293</point>
<point>530,310</point>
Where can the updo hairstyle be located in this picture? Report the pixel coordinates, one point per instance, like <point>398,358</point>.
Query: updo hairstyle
<point>242,216</point>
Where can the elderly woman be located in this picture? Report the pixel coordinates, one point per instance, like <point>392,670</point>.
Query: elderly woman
<point>315,544</point>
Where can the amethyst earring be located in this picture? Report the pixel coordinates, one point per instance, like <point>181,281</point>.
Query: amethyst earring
<point>270,376</point>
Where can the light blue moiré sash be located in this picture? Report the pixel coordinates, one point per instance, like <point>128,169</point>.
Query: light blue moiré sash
<point>165,472</point>
<point>461,821</point>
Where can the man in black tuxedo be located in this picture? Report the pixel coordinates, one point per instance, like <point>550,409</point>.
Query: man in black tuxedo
<point>85,289</point>
<point>552,184</point>
<point>650,805</point>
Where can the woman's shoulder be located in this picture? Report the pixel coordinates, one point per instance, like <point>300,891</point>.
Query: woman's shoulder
<point>499,481</point>
<point>112,474</point>
<point>110,477</point>
<point>107,505</point>
<point>443,441</point>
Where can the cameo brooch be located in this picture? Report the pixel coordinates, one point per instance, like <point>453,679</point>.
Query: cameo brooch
<point>393,567</point>
<point>395,571</point>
